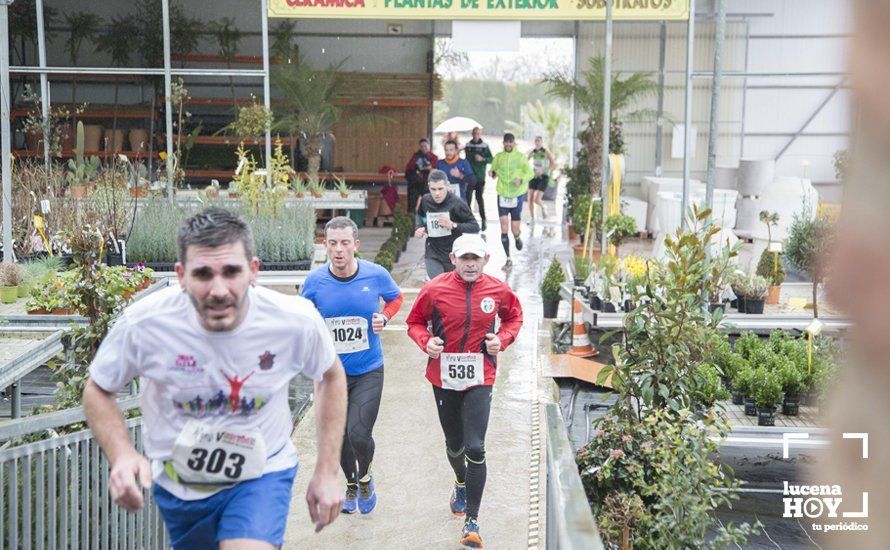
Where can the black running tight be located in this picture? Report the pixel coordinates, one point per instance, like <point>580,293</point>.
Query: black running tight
<point>464,419</point>
<point>364,393</point>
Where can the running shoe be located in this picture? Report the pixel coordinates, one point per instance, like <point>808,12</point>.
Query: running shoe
<point>470,535</point>
<point>483,226</point>
<point>350,503</point>
<point>367,497</point>
<point>508,264</point>
<point>459,500</point>
<point>518,243</point>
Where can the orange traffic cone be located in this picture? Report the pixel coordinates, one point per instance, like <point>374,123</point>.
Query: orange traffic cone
<point>581,346</point>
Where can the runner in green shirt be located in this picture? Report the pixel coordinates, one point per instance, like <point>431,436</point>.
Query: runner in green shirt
<point>513,172</point>
<point>542,162</point>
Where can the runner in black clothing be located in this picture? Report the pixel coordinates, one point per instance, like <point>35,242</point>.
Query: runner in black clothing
<point>479,156</point>
<point>442,217</point>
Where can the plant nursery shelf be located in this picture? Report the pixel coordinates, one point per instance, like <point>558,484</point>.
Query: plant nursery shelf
<point>362,177</point>
<point>233,141</point>
<point>70,154</point>
<point>18,113</point>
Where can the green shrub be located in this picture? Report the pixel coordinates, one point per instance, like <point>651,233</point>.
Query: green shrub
<point>552,280</point>
<point>767,388</point>
<point>711,388</point>
<point>621,226</point>
<point>769,270</point>
<point>579,207</point>
<point>791,378</point>
<point>747,344</point>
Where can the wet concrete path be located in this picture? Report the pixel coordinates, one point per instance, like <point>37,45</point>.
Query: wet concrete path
<point>411,472</point>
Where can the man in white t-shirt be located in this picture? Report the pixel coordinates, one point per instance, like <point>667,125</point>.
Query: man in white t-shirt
<point>215,357</point>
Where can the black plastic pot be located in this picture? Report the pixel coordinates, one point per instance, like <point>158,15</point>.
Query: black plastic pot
<point>766,417</point>
<point>608,307</point>
<point>712,307</point>
<point>578,281</point>
<point>550,309</point>
<point>738,398</point>
<point>750,409</point>
<point>112,259</point>
<point>301,265</point>
<point>754,307</point>
<point>596,303</point>
<point>791,405</point>
<point>628,306</point>
<point>742,305</point>
<point>734,303</point>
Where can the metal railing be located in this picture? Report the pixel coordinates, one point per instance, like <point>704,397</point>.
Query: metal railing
<point>54,493</point>
<point>570,523</point>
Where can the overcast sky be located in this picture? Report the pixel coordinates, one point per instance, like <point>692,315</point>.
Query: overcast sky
<point>535,58</point>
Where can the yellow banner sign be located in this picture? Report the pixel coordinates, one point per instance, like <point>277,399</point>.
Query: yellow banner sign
<point>480,9</point>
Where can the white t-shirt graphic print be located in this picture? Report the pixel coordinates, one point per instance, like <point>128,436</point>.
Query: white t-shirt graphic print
<point>238,379</point>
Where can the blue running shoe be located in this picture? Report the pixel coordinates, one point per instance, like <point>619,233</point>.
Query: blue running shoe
<point>470,535</point>
<point>459,500</point>
<point>350,503</point>
<point>367,497</point>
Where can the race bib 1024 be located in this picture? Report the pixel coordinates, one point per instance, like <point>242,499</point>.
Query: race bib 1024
<point>350,333</point>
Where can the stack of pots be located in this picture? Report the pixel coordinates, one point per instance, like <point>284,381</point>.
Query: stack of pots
<point>753,177</point>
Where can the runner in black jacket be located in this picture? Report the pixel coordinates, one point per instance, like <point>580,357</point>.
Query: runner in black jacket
<point>442,217</point>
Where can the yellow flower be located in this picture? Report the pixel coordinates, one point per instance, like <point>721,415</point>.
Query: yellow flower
<point>163,155</point>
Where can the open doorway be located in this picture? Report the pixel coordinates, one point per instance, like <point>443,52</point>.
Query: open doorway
<point>503,91</point>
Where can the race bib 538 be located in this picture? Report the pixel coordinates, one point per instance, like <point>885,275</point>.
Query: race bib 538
<point>462,370</point>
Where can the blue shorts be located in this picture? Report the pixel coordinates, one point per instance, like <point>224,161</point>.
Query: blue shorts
<point>255,509</point>
<point>515,213</point>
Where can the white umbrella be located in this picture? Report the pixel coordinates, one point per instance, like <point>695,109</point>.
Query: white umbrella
<point>456,124</point>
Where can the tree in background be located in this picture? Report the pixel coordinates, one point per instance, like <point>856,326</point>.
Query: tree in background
<point>587,93</point>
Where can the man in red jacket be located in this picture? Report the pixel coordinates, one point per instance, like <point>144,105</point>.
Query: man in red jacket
<point>417,171</point>
<point>462,307</point>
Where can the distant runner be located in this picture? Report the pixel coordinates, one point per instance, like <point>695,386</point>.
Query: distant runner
<point>542,162</point>
<point>479,156</point>
<point>513,172</point>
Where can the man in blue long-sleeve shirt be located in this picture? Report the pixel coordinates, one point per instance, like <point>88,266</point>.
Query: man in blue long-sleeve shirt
<point>460,173</point>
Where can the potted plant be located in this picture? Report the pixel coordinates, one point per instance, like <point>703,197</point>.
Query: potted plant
<point>770,266</point>
<point>807,247</point>
<point>316,186</point>
<point>767,396</point>
<point>742,385</point>
<point>619,227</point>
<point>720,276</point>
<point>81,170</point>
<point>793,385</point>
<point>738,282</point>
<point>550,289</point>
<point>755,290</point>
<point>711,388</point>
<point>10,278</point>
<point>299,187</point>
<point>341,186</point>
<point>583,268</point>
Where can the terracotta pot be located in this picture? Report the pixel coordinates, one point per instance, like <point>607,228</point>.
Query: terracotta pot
<point>78,191</point>
<point>34,142</point>
<point>138,140</point>
<point>344,195</point>
<point>774,294</point>
<point>63,311</point>
<point>38,312</point>
<point>138,192</point>
<point>573,236</point>
<point>593,251</point>
<point>113,141</point>
<point>92,136</point>
<point>127,294</point>
<point>373,207</point>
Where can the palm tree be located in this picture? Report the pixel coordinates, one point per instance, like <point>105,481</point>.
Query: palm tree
<point>310,108</point>
<point>587,93</point>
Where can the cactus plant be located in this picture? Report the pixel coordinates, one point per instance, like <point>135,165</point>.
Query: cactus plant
<point>81,170</point>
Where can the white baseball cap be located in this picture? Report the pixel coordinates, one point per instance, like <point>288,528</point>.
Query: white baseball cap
<point>470,243</point>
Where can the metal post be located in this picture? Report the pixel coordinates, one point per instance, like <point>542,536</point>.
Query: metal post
<point>44,81</point>
<point>744,91</point>
<point>715,101</point>
<point>659,124</point>
<point>607,116</point>
<point>576,124</point>
<point>15,399</point>
<point>267,99</point>
<point>165,8</point>
<point>6,151</point>
<point>687,119</point>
